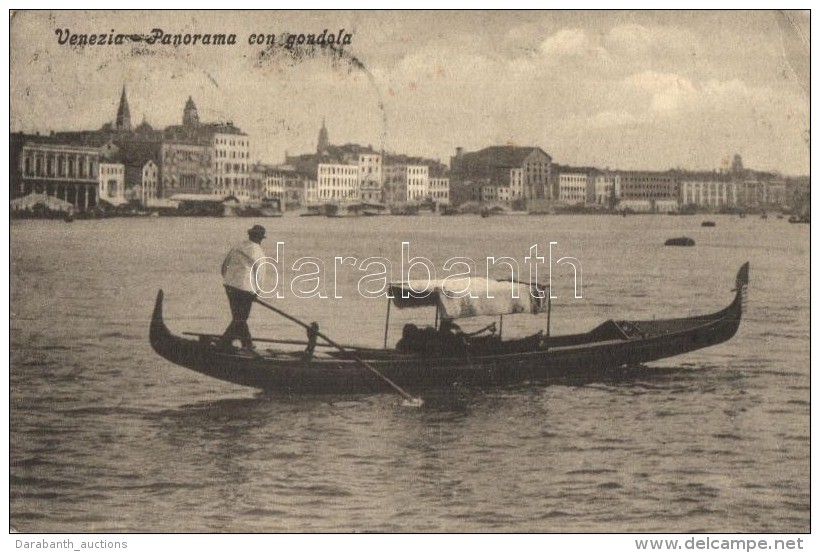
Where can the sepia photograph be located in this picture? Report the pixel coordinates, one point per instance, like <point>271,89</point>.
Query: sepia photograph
<point>423,272</point>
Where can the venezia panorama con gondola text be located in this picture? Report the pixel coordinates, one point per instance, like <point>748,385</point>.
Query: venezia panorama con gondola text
<point>160,37</point>
<point>309,276</point>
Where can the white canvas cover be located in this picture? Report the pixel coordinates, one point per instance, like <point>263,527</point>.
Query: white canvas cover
<point>469,297</point>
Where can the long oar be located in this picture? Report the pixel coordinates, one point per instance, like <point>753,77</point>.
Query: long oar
<point>409,400</point>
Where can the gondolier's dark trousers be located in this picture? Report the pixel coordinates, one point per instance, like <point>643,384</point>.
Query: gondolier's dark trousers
<point>240,302</point>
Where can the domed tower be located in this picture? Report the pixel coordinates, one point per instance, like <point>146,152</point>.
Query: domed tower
<point>123,122</point>
<point>323,140</point>
<point>190,117</point>
<point>737,164</point>
<point>144,127</point>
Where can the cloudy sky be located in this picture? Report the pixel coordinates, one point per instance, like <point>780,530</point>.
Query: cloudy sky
<point>640,90</point>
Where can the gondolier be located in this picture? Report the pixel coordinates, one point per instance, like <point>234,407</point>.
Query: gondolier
<point>242,286</point>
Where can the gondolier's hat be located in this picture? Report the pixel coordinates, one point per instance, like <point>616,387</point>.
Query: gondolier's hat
<point>257,230</point>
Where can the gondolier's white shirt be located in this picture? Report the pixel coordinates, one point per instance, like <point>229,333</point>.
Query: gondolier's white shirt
<point>238,270</point>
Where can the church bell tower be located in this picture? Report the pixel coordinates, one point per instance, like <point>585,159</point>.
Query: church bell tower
<point>123,122</point>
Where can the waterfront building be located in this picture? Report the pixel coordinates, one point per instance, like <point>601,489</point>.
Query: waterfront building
<point>395,183</point>
<point>370,177</point>
<point>142,171</point>
<point>310,191</point>
<point>46,165</point>
<point>337,182</point>
<point>574,188</point>
<point>230,152</point>
<point>273,187</point>
<point>257,174</point>
<point>112,183</point>
<point>206,158</point>
<point>148,191</point>
<point>297,186</point>
<point>798,194</point>
<point>648,191</point>
<point>440,190</point>
<point>710,190</point>
<point>470,171</point>
<point>371,192</point>
<point>776,193</point>
<point>278,182</point>
<point>418,183</point>
<point>516,183</point>
<point>490,193</point>
<point>185,168</point>
<point>607,189</point>
<point>381,177</point>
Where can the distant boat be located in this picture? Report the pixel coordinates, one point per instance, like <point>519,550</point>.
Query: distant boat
<point>266,208</point>
<point>372,209</point>
<point>680,241</point>
<point>407,209</point>
<point>314,211</point>
<point>707,224</point>
<point>796,219</point>
<point>323,210</point>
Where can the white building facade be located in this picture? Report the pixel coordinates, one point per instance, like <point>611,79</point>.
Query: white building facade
<point>370,177</point>
<point>311,192</point>
<point>337,183</point>
<point>440,190</point>
<point>112,183</point>
<point>418,183</point>
<point>230,153</point>
<point>708,192</point>
<point>67,172</point>
<point>273,186</point>
<point>572,188</point>
<point>150,182</point>
<point>516,184</point>
<point>604,185</point>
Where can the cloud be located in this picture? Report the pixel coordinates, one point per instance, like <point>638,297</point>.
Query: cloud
<point>572,46</point>
<point>668,91</point>
<point>566,42</point>
<point>629,38</point>
<point>609,119</point>
<point>662,42</point>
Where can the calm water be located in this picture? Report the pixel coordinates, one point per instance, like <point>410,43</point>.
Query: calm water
<point>107,436</point>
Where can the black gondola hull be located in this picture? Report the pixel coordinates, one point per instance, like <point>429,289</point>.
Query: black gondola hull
<point>560,358</point>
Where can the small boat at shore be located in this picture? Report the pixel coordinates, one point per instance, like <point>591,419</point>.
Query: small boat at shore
<point>428,358</point>
<point>707,224</point>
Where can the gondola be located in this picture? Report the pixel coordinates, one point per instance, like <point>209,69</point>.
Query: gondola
<point>478,361</point>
